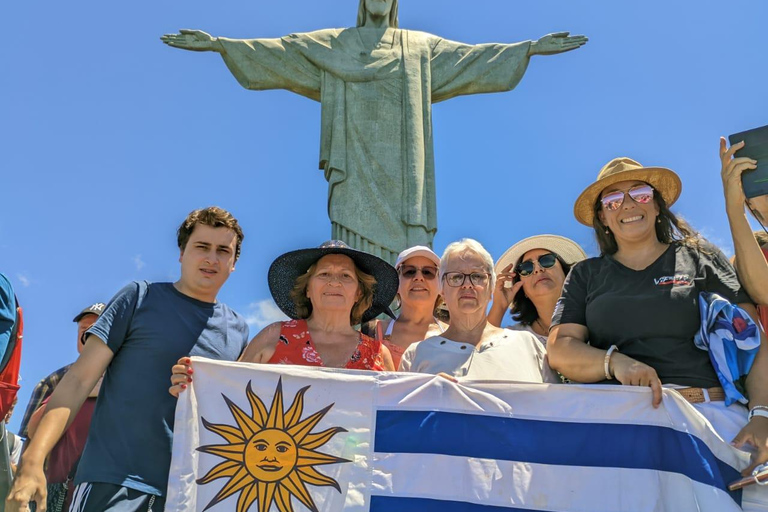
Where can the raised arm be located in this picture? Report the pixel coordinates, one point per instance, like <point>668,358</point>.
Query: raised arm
<point>750,262</point>
<point>260,64</point>
<point>459,68</point>
<point>193,40</point>
<point>559,42</point>
<point>503,294</point>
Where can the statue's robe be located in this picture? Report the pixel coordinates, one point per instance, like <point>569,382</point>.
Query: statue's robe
<point>376,137</point>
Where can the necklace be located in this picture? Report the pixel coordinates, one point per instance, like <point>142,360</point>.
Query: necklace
<point>541,326</point>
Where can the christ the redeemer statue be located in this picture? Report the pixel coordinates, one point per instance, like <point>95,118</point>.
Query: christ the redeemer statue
<point>376,84</point>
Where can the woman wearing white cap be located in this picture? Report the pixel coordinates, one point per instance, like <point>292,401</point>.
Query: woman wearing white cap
<point>638,304</point>
<point>529,277</point>
<point>418,295</point>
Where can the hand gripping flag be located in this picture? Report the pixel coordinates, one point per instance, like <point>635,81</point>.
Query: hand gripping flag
<point>251,437</point>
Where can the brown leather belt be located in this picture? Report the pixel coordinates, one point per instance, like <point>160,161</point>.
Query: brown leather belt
<point>701,395</point>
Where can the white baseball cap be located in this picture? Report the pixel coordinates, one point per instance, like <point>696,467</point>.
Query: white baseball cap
<point>417,250</point>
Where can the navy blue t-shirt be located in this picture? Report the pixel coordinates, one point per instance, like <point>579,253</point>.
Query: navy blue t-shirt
<point>149,326</point>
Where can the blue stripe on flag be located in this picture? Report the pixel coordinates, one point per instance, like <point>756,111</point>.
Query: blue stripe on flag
<point>551,442</point>
<point>390,503</point>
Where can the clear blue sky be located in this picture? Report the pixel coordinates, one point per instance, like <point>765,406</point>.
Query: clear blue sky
<point>108,138</point>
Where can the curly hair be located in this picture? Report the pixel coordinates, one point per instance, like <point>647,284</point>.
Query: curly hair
<point>366,283</point>
<point>522,309</point>
<point>669,228</point>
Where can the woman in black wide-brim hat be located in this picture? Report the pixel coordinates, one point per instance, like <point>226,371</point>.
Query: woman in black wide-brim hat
<point>326,291</point>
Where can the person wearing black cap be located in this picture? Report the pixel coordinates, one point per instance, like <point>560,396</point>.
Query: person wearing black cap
<point>84,320</point>
<point>62,462</point>
<point>326,291</point>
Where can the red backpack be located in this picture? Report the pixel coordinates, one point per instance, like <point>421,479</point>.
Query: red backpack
<point>10,365</point>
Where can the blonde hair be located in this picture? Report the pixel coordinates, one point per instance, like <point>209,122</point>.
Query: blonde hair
<point>366,284</point>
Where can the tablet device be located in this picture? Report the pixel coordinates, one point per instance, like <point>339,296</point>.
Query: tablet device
<point>754,181</point>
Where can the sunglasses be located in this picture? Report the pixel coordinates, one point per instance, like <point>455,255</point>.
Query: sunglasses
<point>456,279</point>
<point>641,194</point>
<point>526,268</point>
<point>409,272</point>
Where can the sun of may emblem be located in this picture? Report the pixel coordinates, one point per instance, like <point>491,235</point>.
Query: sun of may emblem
<point>269,454</point>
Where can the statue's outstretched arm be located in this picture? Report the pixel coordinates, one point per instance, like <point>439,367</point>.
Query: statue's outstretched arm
<point>194,40</point>
<point>558,42</point>
<point>258,64</point>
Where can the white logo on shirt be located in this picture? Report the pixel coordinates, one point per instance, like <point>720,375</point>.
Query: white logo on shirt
<point>678,279</point>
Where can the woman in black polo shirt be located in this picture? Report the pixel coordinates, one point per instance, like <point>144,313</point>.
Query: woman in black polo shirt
<point>637,303</point>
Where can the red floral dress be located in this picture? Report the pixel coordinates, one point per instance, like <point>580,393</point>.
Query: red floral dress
<point>295,346</point>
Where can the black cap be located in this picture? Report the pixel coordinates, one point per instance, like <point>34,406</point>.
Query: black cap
<point>94,309</point>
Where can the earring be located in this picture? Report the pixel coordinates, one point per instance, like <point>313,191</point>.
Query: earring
<point>607,231</point>
<point>658,220</point>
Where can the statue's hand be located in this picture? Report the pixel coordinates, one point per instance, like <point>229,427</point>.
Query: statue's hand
<point>558,42</point>
<point>195,40</point>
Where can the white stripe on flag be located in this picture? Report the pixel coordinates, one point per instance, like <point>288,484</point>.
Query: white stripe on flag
<point>541,486</point>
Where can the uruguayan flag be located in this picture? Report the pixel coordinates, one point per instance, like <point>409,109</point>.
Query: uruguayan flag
<point>291,438</point>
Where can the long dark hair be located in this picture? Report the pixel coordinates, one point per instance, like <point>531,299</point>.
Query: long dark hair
<point>669,228</point>
<point>523,310</point>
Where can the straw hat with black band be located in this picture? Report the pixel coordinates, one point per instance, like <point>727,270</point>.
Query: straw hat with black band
<point>287,268</point>
<point>567,249</point>
<point>665,181</point>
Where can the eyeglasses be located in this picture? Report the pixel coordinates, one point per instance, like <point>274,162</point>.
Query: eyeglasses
<point>456,279</point>
<point>526,268</point>
<point>641,194</point>
<point>409,272</point>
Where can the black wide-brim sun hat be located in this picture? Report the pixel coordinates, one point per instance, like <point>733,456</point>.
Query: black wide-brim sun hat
<point>287,268</point>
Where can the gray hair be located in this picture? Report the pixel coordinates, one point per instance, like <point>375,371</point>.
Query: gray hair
<point>362,15</point>
<point>461,248</point>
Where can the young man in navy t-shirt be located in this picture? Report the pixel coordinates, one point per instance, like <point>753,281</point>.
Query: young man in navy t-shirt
<point>143,331</point>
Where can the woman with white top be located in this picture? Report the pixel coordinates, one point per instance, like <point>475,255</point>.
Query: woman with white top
<point>419,296</point>
<point>471,346</point>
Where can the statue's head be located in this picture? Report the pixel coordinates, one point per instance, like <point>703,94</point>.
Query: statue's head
<point>378,8</point>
